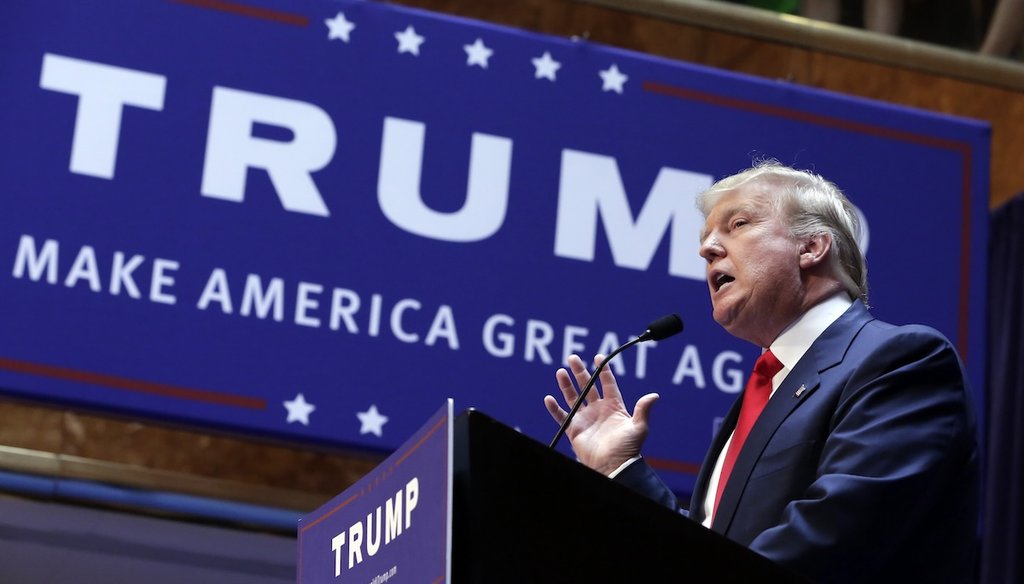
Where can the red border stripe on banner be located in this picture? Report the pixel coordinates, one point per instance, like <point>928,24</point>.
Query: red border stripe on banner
<point>137,385</point>
<point>250,11</point>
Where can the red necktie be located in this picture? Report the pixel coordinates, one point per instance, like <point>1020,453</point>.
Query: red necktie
<point>759,389</point>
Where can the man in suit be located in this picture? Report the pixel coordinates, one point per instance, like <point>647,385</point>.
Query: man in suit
<point>859,461</point>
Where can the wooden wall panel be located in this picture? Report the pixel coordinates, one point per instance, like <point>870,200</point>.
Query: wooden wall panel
<point>87,446</point>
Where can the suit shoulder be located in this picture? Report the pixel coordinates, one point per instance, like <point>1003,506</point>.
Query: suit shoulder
<point>884,332</point>
<point>885,344</point>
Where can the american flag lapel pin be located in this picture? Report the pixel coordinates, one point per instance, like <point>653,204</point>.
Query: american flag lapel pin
<point>800,391</point>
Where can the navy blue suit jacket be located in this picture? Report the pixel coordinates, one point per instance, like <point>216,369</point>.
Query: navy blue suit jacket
<point>863,467</point>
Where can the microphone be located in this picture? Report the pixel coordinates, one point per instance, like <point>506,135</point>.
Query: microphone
<point>662,328</point>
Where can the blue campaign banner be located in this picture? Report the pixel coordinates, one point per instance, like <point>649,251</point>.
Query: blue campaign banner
<point>313,219</point>
<point>393,522</point>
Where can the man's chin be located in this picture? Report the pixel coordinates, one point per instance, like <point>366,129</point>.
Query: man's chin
<point>732,324</point>
<point>724,318</point>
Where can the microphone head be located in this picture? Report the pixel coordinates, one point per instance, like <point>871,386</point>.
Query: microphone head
<point>664,327</point>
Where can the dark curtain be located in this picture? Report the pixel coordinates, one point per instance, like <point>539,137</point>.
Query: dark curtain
<point>1002,548</point>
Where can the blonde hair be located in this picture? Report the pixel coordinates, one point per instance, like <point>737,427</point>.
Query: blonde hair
<point>811,205</point>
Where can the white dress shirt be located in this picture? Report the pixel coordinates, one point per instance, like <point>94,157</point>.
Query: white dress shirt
<point>788,347</point>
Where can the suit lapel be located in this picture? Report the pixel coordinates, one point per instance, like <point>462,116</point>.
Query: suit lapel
<point>799,386</point>
<point>775,412</point>
<point>710,458</point>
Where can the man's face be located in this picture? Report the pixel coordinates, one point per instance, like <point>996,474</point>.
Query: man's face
<point>753,268</point>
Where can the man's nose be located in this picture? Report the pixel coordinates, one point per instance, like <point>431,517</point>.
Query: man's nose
<point>711,248</point>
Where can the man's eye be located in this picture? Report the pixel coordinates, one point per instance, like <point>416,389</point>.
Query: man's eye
<point>739,223</point>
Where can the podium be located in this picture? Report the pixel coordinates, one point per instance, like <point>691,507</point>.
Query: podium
<point>520,513</point>
<point>525,513</point>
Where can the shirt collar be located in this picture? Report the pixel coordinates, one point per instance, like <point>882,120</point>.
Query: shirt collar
<point>794,341</point>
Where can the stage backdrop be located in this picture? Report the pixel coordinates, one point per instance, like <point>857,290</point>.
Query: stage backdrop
<point>316,220</point>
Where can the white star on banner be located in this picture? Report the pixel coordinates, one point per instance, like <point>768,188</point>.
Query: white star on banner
<point>545,66</point>
<point>409,41</point>
<point>613,79</point>
<point>372,422</point>
<point>477,53</point>
<point>339,27</point>
<point>299,410</point>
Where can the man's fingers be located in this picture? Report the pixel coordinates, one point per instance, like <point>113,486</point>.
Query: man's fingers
<point>579,371</point>
<point>609,387</point>
<point>565,386</point>
<point>642,410</point>
<point>554,409</point>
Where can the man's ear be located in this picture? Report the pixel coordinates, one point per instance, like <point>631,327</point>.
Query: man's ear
<point>815,250</point>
